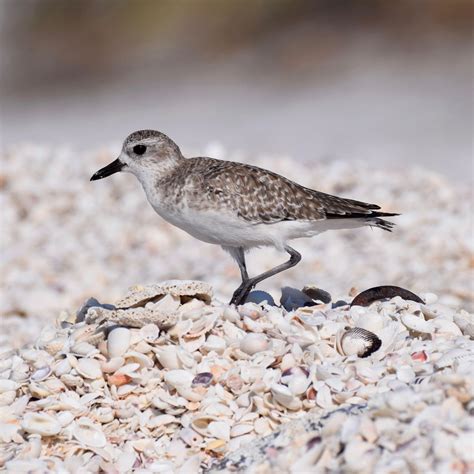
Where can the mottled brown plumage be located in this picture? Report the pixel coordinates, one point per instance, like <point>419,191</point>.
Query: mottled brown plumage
<point>256,195</point>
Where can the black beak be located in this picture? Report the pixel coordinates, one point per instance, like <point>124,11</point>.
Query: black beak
<point>111,168</point>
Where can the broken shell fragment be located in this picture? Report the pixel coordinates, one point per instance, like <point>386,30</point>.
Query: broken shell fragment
<point>358,341</point>
<point>253,343</point>
<point>88,433</point>
<point>377,293</point>
<point>41,423</point>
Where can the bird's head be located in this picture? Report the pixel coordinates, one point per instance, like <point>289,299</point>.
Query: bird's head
<point>144,152</point>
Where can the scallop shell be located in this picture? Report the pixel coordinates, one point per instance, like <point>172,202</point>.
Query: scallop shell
<point>150,333</point>
<point>88,433</point>
<point>357,341</point>
<point>41,423</point>
<point>140,295</point>
<point>89,368</point>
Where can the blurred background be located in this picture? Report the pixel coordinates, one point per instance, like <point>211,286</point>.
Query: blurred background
<point>389,82</point>
<point>369,99</point>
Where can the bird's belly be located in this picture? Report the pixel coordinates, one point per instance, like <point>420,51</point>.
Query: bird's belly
<point>215,227</point>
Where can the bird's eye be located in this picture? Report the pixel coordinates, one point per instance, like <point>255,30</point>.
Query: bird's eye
<point>139,149</point>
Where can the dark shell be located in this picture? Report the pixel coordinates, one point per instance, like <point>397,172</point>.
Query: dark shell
<point>317,294</point>
<point>374,343</point>
<point>204,378</point>
<point>378,293</point>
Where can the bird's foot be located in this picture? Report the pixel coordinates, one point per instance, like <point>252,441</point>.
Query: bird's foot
<point>240,294</point>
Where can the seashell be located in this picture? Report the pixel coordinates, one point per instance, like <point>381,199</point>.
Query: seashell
<point>419,356</point>
<point>323,395</point>
<point>444,326</point>
<point>416,324</point>
<point>168,357</point>
<point>190,437</point>
<point>465,323</point>
<point>83,349</point>
<point>118,341</point>
<point>406,374</point>
<point>317,294</point>
<point>357,341</point>
<point>168,304</point>
<point>178,378</point>
<point>8,385</point>
<point>292,299</point>
<point>253,343</point>
<point>149,333</point>
<point>262,426</point>
<point>214,343</point>
<point>119,379</point>
<point>202,379</point>
<point>61,367</point>
<point>56,345</point>
<point>140,295</point>
<point>201,423</point>
<point>41,423</point>
<point>219,430</point>
<point>7,398</point>
<point>260,297</point>
<point>377,293</point>
<point>453,355</point>
<point>241,429</point>
<point>89,368</point>
<point>296,379</point>
<point>283,396</point>
<point>137,357</point>
<point>88,433</point>
<point>112,365</point>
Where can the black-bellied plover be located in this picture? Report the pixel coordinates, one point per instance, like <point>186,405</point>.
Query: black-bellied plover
<point>235,205</point>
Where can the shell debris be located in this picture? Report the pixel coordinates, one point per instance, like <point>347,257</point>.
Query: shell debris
<point>169,380</point>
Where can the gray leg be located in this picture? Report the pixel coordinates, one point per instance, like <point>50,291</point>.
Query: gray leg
<point>241,293</point>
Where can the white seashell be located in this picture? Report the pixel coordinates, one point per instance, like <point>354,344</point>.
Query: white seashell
<point>89,368</point>
<point>112,365</point>
<point>201,422</point>
<point>219,430</point>
<point>190,437</point>
<point>8,385</point>
<point>41,423</point>
<point>149,333</point>
<point>262,426</point>
<point>406,374</point>
<point>296,379</point>
<point>214,343</point>
<point>61,367</point>
<point>179,378</point>
<point>465,323</point>
<point>40,374</point>
<point>444,326</point>
<point>65,417</point>
<point>416,323</point>
<point>452,356</point>
<point>88,433</point>
<point>7,398</point>
<point>253,343</point>
<point>357,341</point>
<point>125,461</point>
<point>323,395</point>
<point>83,349</point>
<point>241,429</point>
<point>283,396</point>
<point>118,342</point>
<point>371,321</point>
<point>137,357</point>
<point>168,357</point>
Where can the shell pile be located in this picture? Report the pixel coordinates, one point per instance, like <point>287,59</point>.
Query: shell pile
<point>169,380</point>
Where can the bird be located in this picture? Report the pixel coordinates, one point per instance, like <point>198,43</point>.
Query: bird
<point>237,206</point>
